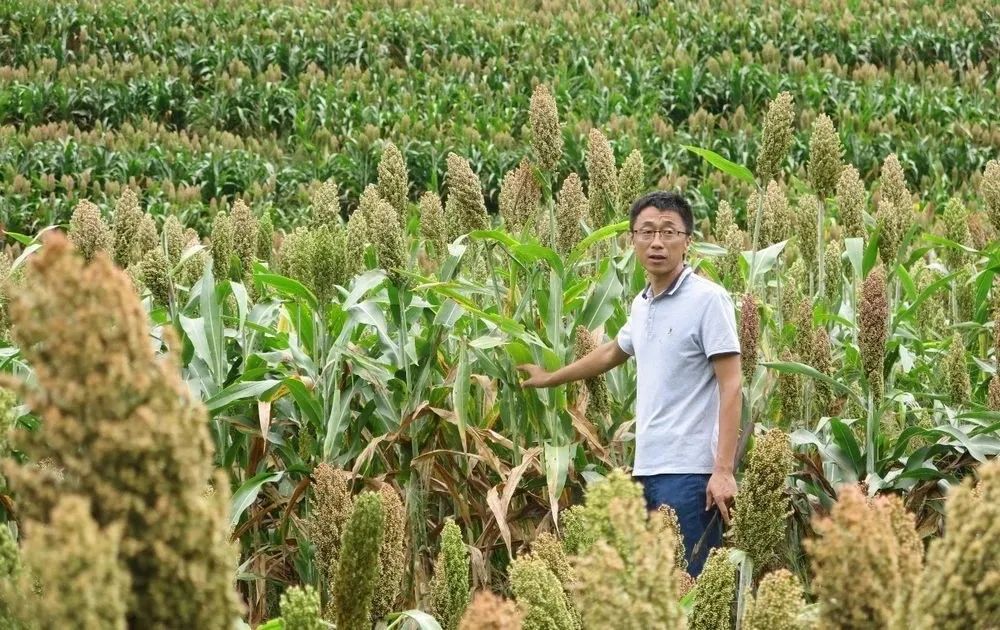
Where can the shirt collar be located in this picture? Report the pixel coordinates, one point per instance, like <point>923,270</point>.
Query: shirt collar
<point>685,272</point>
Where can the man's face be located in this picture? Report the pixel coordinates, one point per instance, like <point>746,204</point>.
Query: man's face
<point>659,253</point>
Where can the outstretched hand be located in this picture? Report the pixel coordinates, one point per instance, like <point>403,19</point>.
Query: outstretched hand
<point>720,492</point>
<point>537,376</point>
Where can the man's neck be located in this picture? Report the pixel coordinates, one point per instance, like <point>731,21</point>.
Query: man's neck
<point>659,284</point>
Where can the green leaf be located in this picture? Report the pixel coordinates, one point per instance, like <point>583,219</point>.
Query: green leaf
<point>601,302</point>
<point>843,437</point>
<point>460,393</point>
<point>763,260</point>
<point>210,302</point>
<point>871,254</point>
<point>595,236</point>
<point>495,235</point>
<point>422,619</point>
<point>287,287</point>
<point>556,469</point>
<point>529,253</point>
<point>730,168</point>
<point>855,247</point>
<point>247,494</point>
<point>305,400</point>
<point>793,367</point>
<point>239,391</point>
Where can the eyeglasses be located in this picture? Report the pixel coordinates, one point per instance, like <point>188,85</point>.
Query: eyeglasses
<point>647,236</point>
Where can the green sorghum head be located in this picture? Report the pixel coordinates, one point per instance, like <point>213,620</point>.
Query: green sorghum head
<point>125,227</point>
<point>244,227</point>
<point>173,235</point>
<point>956,228</point>
<point>956,372</point>
<point>725,217</point>
<point>392,555</point>
<point>88,231</point>
<point>326,205</point>
<point>632,178</point>
<point>450,584</point>
<point>763,503</point>
<point>10,555</point>
<point>357,568</point>
<point>465,208</point>
<point>540,595</point>
<point>603,192</point>
<point>394,181</point>
<point>297,256</point>
<point>851,199</point>
<point>778,218</point>
<point>833,274</point>
<point>329,512</point>
<point>894,215</point>
<point>222,245</point>
<point>519,197</point>
<point>807,218</point>
<point>715,593</point>
<point>265,238</point>
<point>825,157</point>
<point>327,248</point>
<point>873,324</point>
<point>155,273</point>
<point>546,133</point>
<point>571,209</point>
<point>821,359</point>
<point>599,404</point>
<point>147,238</point>
<point>432,224</point>
<point>993,395</point>
<point>776,138</point>
<point>749,335</point>
<point>301,609</point>
<point>989,189</point>
<point>779,605</point>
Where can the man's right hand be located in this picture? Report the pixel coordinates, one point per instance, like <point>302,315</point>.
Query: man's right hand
<point>537,376</point>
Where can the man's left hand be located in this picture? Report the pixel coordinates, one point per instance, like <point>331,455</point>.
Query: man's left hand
<point>720,492</point>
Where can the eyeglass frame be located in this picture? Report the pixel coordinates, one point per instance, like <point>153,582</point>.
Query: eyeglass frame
<point>666,235</point>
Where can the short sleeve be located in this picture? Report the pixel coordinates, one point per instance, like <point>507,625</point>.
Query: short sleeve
<point>719,334</point>
<point>625,337</point>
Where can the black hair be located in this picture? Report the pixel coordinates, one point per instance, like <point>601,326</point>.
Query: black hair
<point>663,200</point>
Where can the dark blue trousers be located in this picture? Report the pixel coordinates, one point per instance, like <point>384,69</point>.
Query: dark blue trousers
<point>685,493</point>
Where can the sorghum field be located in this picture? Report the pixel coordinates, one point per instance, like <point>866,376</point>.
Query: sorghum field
<point>268,268</point>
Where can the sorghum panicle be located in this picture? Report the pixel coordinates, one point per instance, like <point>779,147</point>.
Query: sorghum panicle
<point>519,198</point>
<point>432,224</point>
<point>959,585</point>
<point>465,208</point>
<point>326,205</point>
<point>833,274</point>
<point>989,189</point>
<point>265,238</point>
<point>571,209</point>
<point>357,568</point>
<point>296,259</point>
<point>222,245</point>
<point>173,236</point>
<point>148,238</point>
<point>244,227</point>
<point>776,138</point>
<point>825,157</point>
<point>392,556</point>
<point>450,584</point>
<point>807,214</point>
<point>632,178</point>
<point>716,586</point>
<point>125,227</point>
<point>894,215</point>
<point>490,612</point>
<point>300,608</point>
<point>762,503</point>
<point>778,217</point>
<point>749,335</point>
<point>778,604</point>
<point>331,508</point>
<point>540,595</point>
<point>851,202</point>
<point>956,228</point>
<point>546,133</point>
<point>88,231</point>
<point>603,192</point>
<point>956,372</point>
<point>394,181</point>
<point>873,324</point>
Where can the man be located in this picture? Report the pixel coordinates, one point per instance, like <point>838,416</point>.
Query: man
<point>682,332</point>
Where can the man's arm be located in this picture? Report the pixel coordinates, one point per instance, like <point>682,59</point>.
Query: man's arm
<point>722,485</point>
<point>605,357</point>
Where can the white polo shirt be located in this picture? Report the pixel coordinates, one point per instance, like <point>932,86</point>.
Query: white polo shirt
<point>673,337</point>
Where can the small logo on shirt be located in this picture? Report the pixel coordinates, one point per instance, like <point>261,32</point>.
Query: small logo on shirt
<point>669,331</point>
